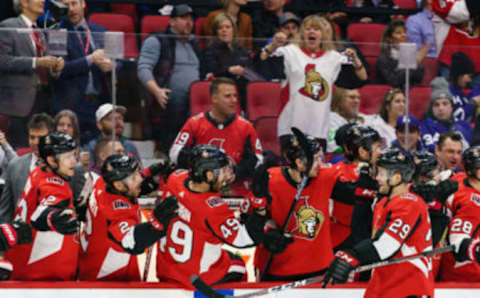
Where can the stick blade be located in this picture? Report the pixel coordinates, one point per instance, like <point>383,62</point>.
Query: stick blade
<point>203,288</point>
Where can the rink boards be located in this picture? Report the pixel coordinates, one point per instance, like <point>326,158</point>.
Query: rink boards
<point>158,290</point>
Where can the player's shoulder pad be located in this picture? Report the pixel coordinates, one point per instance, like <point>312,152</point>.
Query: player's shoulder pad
<point>214,201</point>
<point>243,120</point>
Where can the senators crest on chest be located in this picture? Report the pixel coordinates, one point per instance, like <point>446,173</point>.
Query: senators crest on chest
<point>307,221</point>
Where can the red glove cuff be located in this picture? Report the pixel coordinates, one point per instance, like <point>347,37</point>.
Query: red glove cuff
<point>471,250</point>
<point>10,234</point>
<point>364,192</point>
<point>347,257</point>
<point>155,223</point>
<point>258,203</point>
<point>145,173</point>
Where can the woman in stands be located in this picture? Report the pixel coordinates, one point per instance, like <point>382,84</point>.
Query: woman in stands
<point>242,21</point>
<point>386,68</point>
<point>66,121</point>
<point>392,107</point>
<point>224,57</point>
<point>309,68</point>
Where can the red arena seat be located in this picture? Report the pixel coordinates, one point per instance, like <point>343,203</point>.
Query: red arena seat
<point>372,96</point>
<point>120,23</point>
<point>266,128</point>
<point>366,37</point>
<point>125,8</point>
<point>419,100</point>
<point>405,4</point>
<point>151,24</point>
<point>200,34</point>
<point>263,99</point>
<point>199,97</point>
<point>431,70</point>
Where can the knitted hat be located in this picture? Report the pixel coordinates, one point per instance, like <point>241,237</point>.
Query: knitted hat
<point>461,64</point>
<point>440,89</point>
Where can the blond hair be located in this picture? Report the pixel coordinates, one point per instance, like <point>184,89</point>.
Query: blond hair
<point>316,22</point>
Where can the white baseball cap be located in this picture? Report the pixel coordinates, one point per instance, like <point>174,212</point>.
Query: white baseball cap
<point>106,108</point>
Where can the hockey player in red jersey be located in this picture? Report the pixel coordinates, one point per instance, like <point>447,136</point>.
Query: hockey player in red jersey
<point>194,240</point>
<point>401,227</point>
<point>464,207</point>
<point>221,127</point>
<point>113,233</point>
<point>12,234</point>
<point>362,146</point>
<point>46,203</point>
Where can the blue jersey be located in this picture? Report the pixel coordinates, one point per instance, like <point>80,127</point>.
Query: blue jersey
<point>462,108</point>
<point>430,131</point>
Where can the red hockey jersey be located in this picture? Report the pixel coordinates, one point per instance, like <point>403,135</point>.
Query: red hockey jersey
<point>464,207</point>
<point>51,255</point>
<point>341,213</point>
<point>311,250</point>
<point>231,137</point>
<point>194,240</point>
<point>401,227</point>
<point>109,218</point>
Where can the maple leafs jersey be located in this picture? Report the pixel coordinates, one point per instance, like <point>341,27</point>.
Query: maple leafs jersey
<point>464,208</point>
<point>401,227</point>
<point>311,250</point>
<point>230,136</point>
<point>194,240</point>
<point>109,218</point>
<point>51,255</point>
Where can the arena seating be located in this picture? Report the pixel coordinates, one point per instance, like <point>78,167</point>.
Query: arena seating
<point>199,97</point>
<point>405,4</point>
<point>366,37</point>
<point>372,96</point>
<point>419,100</point>
<point>152,23</point>
<point>125,8</point>
<point>266,128</point>
<point>263,99</point>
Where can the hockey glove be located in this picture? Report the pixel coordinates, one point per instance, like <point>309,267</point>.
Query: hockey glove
<point>469,250</point>
<point>6,269</point>
<point>367,187</point>
<point>164,213</point>
<point>150,182</point>
<point>425,190</point>
<point>445,188</point>
<point>275,241</point>
<point>63,221</point>
<point>246,166</point>
<point>184,157</point>
<point>340,268</point>
<point>18,232</point>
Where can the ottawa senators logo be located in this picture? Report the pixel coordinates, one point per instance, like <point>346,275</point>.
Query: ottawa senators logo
<point>316,87</point>
<point>307,222</point>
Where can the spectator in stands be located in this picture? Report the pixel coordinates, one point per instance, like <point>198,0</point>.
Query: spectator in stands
<point>348,77</point>
<point>24,70</point>
<point>265,21</point>
<point>310,69</point>
<point>224,57</point>
<point>166,67</point>
<point>289,26</point>
<point>345,109</point>
<point>83,85</point>
<point>439,119</point>
<point>19,168</point>
<point>221,127</point>
<point>6,154</point>
<point>461,73</point>
<point>106,124</point>
<point>242,21</point>
<point>449,151</point>
<point>103,149</point>
<point>376,18</point>
<point>392,107</point>
<point>386,67</point>
<point>414,140</point>
<point>420,28</point>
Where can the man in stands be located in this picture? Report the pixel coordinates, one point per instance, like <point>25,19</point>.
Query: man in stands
<point>103,149</point>
<point>106,124</point>
<point>221,127</point>
<point>401,227</point>
<point>82,85</point>
<point>194,240</point>
<point>19,168</point>
<point>167,65</point>
<point>113,233</point>
<point>414,142</point>
<point>47,204</point>
<point>449,151</point>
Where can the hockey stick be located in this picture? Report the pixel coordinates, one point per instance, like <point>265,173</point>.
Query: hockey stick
<point>208,291</point>
<point>148,259</point>
<point>300,189</point>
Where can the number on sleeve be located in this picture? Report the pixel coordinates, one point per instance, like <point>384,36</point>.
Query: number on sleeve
<point>461,226</point>
<point>23,209</point>
<point>398,227</point>
<point>183,138</point>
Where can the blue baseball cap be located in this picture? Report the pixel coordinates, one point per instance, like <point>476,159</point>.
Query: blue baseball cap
<point>412,121</point>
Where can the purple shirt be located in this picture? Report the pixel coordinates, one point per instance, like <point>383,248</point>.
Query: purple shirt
<point>420,30</point>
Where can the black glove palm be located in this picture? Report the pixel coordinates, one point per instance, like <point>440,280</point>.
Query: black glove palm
<point>275,241</point>
<point>246,166</point>
<point>166,211</point>
<point>340,268</point>
<point>65,221</point>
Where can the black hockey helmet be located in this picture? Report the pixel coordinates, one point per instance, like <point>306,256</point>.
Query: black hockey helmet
<point>342,137</point>
<point>471,160</point>
<point>206,158</point>
<point>299,145</point>
<point>425,163</point>
<point>394,160</point>
<point>117,167</point>
<point>55,143</point>
<point>360,136</point>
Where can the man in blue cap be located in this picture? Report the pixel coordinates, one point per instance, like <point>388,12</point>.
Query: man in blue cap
<point>414,141</point>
